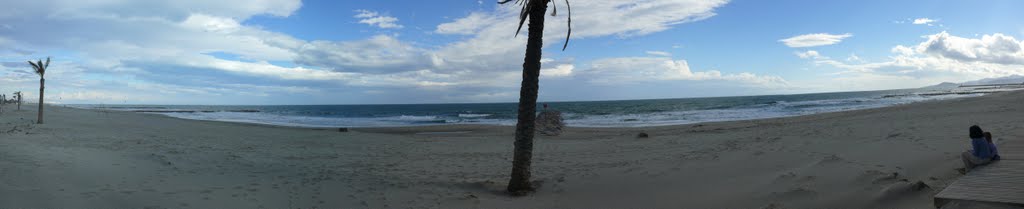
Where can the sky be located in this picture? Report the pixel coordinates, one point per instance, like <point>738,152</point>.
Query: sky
<point>271,52</point>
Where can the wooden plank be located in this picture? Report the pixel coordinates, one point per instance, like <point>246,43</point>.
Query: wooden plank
<point>1016,156</point>
<point>999,182</point>
<point>1010,198</point>
<point>1009,146</point>
<point>990,192</point>
<point>988,186</point>
<point>1012,152</point>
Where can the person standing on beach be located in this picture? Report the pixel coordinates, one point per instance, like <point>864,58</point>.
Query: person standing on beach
<point>981,153</point>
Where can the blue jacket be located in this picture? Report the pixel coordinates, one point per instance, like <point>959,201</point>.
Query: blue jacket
<point>981,148</point>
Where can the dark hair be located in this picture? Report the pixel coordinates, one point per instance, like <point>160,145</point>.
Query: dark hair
<point>976,132</point>
<point>988,136</point>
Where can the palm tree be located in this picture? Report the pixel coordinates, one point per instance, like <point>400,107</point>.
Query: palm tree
<point>40,68</point>
<point>519,184</point>
<point>18,94</point>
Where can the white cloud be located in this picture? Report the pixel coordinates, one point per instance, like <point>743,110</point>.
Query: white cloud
<point>853,58</point>
<point>558,71</point>
<point>646,69</point>
<point>922,21</point>
<point>264,69</point>
<point>190,48</point>
<point>150,44</point>
<point>997,48</point>
<point>492,45</point>
<point>211,23</point>
<point>376,19</point>
<point>815,39</point>
<point>940,58</point>
<point>127,9</point>
<point>378,54</point>
<point>659,53</point>
<point>810,54</point>
<point>629,18</point>
<point>467,25</point>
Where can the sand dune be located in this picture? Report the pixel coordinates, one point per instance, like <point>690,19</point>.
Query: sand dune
<point>894,157</point>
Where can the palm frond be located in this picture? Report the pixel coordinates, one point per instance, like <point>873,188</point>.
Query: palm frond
<point>41,69</point>
<point>568,33</point>
<point>524,12</point>
<point>34,66</point>
<point>39,66</point>
<point>554,10</point>
<point>527,7</point>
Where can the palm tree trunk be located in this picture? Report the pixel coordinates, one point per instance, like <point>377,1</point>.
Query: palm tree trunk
<point>41,87</point>
<point>519,184</point>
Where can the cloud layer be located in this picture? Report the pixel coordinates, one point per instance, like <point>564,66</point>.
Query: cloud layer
<point>941,57</point>
<point>204,52</point>
<point>922,21</point>
<point>376,19</point>
<point>626,70</point>
<point>815,39</point>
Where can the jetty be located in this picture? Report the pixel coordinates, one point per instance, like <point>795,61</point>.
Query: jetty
<point>1001,182</point>
<point>1010,85</point>
<point>970,89</point>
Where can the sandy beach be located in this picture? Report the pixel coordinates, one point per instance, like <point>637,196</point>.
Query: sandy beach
<point>857,159</point>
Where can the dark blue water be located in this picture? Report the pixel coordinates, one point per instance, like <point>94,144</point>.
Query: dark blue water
<point>625,113</point>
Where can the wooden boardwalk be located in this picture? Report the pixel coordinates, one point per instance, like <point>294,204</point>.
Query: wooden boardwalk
<point>1000,182</point>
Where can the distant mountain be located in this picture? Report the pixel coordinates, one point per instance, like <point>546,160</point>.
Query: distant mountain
<point>1000,80</point>
<point>942,86</point>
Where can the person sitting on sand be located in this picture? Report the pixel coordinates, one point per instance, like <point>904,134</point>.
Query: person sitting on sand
<point>992,146</point>
<point>982,152</point>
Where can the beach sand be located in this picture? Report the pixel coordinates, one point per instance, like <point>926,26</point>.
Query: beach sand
<point>856,159</point>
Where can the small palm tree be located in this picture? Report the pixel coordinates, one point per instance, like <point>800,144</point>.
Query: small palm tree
<point>519,184</point>
<point>40,68</point>
<point>18,94</point>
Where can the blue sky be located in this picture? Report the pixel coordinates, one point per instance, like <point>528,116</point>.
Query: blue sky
<point>366,52</point>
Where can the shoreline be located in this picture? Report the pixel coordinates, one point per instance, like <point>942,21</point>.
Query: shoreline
<point>512,123</point>
<point>868,158</point>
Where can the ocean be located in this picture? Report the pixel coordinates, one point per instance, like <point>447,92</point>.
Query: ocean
<point>624,113</point>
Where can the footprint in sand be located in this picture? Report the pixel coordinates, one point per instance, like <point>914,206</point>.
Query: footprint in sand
<point>831,158</point>
<point>773,206</point>
<point>902,189</point>
<point>807,178</point>
<point>886,178</point>
<point>789,175</point>
<point>798,192</point>
<point>88,194</point>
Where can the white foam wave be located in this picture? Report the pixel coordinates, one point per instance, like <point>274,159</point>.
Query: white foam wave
<point>319,122</point>
<point>466,115</point>
<point>772,110</point>
<point>777,109</point>
<point>413,118</point>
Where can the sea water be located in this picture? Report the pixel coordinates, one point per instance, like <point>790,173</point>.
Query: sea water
<point>624,113</point>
